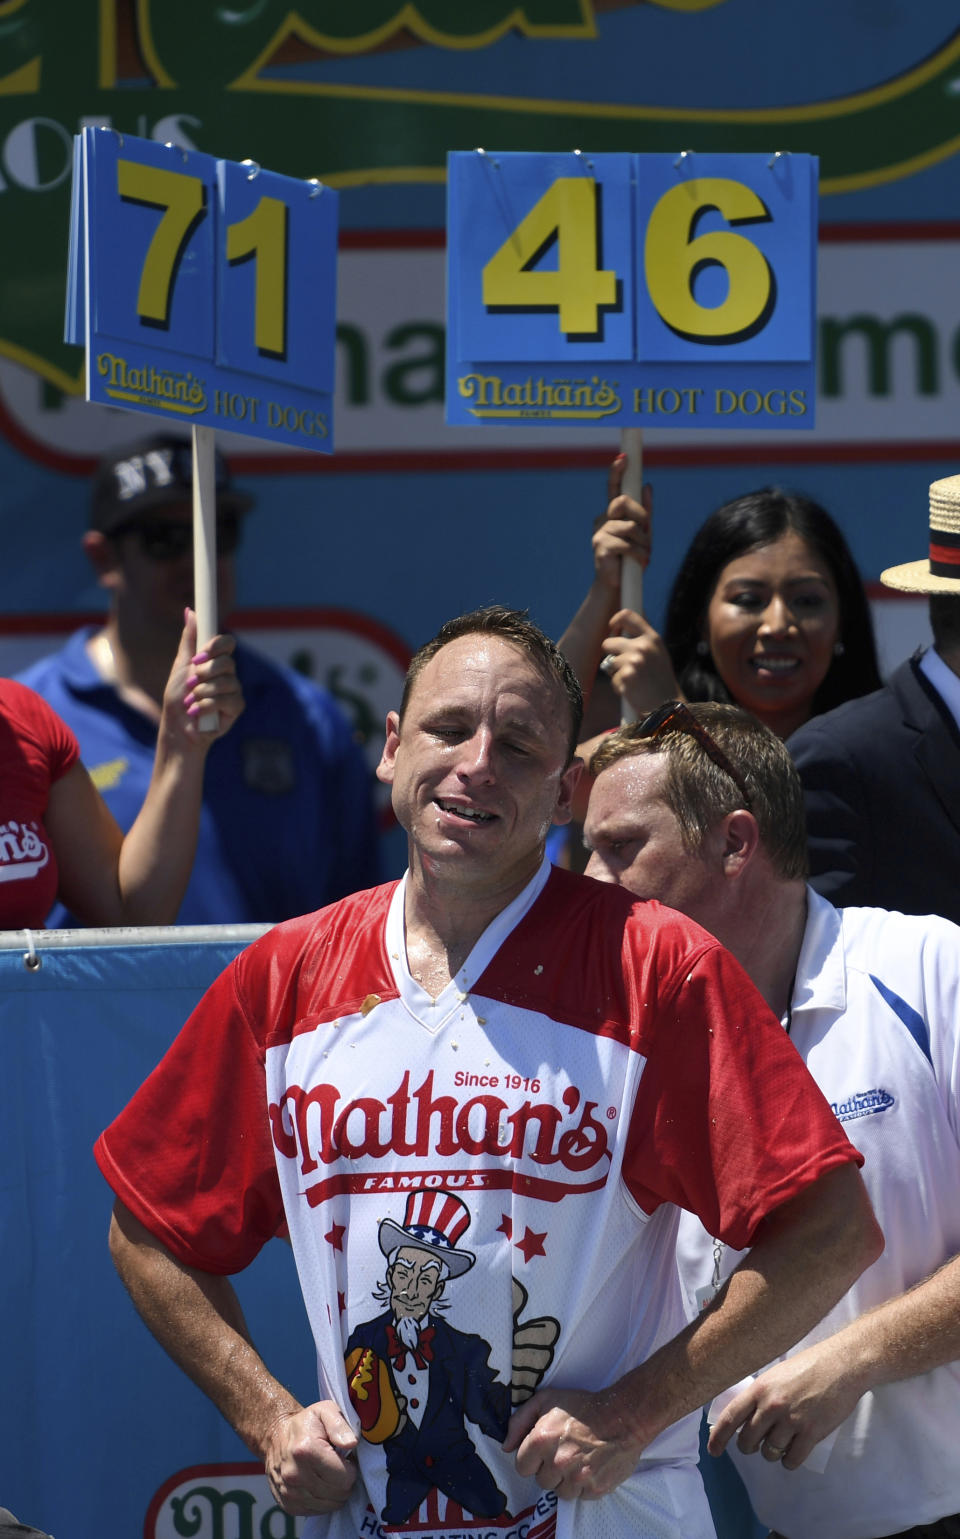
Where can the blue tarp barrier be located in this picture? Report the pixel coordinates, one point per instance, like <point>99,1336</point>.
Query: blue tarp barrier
<point>101,1436</point>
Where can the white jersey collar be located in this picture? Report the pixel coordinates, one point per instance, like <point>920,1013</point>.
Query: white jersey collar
<point>434,1013</point>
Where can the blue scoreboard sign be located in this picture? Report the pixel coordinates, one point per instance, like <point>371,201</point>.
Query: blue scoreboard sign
<point>635,290</point>
<point>203,290</point>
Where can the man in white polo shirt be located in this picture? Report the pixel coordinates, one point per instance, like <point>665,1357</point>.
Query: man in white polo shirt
<point>857,1428</point>
<point>503,1079</point>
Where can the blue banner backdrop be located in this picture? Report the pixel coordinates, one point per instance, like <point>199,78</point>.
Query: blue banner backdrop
<point>95,1421</point>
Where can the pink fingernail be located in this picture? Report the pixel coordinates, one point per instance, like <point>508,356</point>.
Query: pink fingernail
<point>188,699</point>
<point>201,657</point>
<point>193,681</point>
<point>193,710</point>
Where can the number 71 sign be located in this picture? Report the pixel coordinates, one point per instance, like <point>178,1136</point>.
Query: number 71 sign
<point>636,290</point>
<point>204,290</point>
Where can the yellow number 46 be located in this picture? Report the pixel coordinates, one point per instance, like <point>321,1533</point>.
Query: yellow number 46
<point>577,288</point>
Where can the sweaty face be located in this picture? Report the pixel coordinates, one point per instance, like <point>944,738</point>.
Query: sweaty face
<point>478,768</point>
<point>635,840</point>
<point>414,1282</point>
<point>772,624</point>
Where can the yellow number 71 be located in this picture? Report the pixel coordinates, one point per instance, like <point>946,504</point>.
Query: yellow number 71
<point>183,198</point>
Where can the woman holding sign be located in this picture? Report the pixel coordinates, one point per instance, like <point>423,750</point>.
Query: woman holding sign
<point>767,612</point>
<point>57,837</point>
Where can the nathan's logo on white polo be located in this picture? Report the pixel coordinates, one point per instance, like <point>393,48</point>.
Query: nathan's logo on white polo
<point>535,1148</point>
<point>863,1104</point>
<point>22,851</point>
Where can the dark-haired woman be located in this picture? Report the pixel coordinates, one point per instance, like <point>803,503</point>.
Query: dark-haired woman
<point>767,612</point>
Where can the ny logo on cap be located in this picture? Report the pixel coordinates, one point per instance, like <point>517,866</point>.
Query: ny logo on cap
<point>142,471</point>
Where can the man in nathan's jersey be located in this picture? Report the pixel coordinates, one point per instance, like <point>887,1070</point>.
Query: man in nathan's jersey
<point>856,1430</point>
<point>552,1071</point>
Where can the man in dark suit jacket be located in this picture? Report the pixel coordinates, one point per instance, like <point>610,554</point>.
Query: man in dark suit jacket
<point>881,774</point>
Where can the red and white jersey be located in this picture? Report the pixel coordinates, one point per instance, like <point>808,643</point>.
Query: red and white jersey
<point>36,749</point>
<point>596,1064</point>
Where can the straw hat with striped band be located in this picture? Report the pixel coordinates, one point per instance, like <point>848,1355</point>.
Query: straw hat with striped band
<point>940,571</point>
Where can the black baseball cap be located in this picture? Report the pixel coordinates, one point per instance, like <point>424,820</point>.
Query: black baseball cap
<point>156,472</point>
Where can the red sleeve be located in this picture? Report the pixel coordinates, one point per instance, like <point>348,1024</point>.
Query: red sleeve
<point>191,1154</point>
<point>38,722</point>
<point>727,1122</point>
<point>64,748</point>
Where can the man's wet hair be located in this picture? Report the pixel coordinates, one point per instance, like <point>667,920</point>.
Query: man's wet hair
<point>515,626</point>
<point>699,793</point>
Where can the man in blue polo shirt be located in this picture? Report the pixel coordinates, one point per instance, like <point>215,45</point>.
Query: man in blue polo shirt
<point>288,821</point>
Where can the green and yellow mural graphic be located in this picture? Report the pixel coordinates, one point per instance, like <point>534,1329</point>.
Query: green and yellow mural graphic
<point>222,78</point>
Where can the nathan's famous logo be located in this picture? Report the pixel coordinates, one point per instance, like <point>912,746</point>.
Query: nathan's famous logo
<point>22,851</point>
<point>320,1128</point>
<point>163,389</point>
<point>577,398</point>
<point>864,1103</point>
<point>210,1501</point>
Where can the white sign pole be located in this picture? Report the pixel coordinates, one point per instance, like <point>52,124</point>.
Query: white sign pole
<point>205,548</point>
<point>631,573</point>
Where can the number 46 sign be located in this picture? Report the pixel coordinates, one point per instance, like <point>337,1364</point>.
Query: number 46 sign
<point>636,290</point>
<point>204,290</point>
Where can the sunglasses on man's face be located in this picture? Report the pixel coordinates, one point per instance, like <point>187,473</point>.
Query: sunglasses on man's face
<point>675,716</point>
<point>165,540</point>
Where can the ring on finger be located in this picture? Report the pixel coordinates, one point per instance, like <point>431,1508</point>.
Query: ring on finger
<point>608,665</point>
<point>771,1451</point>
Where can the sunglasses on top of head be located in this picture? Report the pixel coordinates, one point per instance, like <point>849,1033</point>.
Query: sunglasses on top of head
<point>675,716</point>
